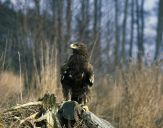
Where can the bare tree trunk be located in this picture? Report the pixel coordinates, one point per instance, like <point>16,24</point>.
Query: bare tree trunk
<point>60,36</point>
<point>116,46</point>
<point>84,21</point>
<point>37,56</point>
<point>96,57</point>
<point>124,31</point>
<point>159,29</point>
<point>68,24</point>
<point>140,29</point>
<point>68,18</point>
<point>54,17</point>
<point>132,28</point>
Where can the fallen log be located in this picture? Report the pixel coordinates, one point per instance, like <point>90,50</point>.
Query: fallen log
<point>46,113</point>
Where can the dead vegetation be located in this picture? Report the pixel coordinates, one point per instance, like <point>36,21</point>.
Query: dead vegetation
<point>131,98</point>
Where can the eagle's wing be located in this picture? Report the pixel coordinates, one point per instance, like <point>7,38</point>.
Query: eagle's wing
<point>64,72</point>
<point>65,81</point>
<point>64,68</point>
<point>90,75</point>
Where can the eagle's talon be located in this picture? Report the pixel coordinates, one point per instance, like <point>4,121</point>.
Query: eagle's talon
<point>85,108</point>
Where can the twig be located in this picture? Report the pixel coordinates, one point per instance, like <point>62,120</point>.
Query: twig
<point>21,98</point>
<point>92,50</point>
<point>24,105</point>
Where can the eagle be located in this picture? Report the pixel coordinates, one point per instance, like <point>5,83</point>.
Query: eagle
<point>77,76</point>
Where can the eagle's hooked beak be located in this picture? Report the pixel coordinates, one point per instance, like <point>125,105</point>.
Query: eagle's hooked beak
<point>73,46</point>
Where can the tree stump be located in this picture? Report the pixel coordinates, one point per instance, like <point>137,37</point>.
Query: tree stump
<point>46,113</point>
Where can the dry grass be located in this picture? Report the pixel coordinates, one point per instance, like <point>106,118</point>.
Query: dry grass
<point>44,81</point>
<point>10,88</point>
<point>132,98</point>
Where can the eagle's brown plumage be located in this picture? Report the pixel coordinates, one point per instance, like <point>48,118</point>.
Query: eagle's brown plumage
<point>77,74</point>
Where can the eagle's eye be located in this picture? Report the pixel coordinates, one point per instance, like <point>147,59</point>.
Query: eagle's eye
<point>78,46</point>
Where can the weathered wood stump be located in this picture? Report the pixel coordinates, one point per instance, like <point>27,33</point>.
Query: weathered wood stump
<point>46,113</point>
<point>41,114</point>
<point>71,114</point>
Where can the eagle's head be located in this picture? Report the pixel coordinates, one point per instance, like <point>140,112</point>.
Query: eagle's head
<point>79,48</point>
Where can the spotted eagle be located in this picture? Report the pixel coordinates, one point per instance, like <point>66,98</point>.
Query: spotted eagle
<point>77,75</point>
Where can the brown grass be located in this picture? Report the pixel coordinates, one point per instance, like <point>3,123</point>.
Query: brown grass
<point>10,88</point>
<point>131,98</point>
